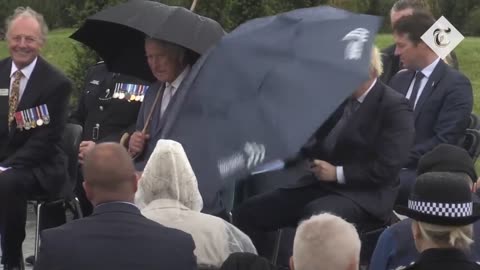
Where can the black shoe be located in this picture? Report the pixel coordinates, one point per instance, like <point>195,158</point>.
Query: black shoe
<point>30,260</point>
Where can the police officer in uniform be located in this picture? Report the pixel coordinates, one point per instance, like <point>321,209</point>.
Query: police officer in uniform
<point>104,115</point>
<point>442,208</point>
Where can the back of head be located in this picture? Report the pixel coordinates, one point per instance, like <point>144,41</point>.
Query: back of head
<point>321,239</point>
<point>414,26</point>
<point>109,174</point>
<point>447,158</point>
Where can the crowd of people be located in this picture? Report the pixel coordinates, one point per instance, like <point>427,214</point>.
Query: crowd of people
<point>394,144</point>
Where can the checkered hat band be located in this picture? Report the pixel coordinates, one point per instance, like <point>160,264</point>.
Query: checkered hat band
<point>442,209</point>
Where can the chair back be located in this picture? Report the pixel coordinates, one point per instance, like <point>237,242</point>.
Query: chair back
<point>472,143</point>
<point>70,142</point>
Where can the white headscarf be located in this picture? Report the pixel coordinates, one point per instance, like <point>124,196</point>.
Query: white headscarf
<point>169,175</point>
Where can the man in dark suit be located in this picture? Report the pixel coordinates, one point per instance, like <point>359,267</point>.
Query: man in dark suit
<point>441,96</point>
<point>33,102</point>
<point>391,61</point>
<point>353,165</point>
<point>116,235</point>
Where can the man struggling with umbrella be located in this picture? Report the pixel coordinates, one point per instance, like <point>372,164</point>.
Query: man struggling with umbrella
<point>170,64</point>
<point>352,167</point>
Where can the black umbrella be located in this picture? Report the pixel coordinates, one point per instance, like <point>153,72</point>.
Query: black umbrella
<point>266,87</point>
<point>117,33</point>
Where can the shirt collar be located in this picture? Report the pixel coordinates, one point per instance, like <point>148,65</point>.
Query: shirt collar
<point>26,71</point>
<point>427,71</point>
<point>179,78</point>
<point>362,97</point>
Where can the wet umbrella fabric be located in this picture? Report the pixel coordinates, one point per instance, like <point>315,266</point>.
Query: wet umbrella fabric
<point>118,33</point>
<point>266,87</point>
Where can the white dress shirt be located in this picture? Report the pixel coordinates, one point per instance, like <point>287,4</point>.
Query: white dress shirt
<point>427,71</point>
<point>171,89</point>
<point>27,72</point>
<point>360,99</point>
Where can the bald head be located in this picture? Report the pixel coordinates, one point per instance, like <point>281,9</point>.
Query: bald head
<point>109,174</point>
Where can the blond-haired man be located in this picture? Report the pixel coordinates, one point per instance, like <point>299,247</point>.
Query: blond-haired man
<point>353,164</point>
<point>318,241</point>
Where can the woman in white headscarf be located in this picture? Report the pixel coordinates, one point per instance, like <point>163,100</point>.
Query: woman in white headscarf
<point>168,194</point>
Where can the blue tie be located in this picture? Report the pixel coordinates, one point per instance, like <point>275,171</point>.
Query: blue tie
<point>416,86</point>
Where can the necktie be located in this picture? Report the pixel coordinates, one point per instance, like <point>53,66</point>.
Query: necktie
<point>416,86</point>
<point>13,98</point>
<point>349,109</point>
<point>166,98</point>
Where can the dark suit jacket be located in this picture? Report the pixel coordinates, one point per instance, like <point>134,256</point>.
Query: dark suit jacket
<point>96,106</point>
<point>443,110</point>
<point>37,149</point>
<point>372,148</point>
<point>443,259</point>
<point>115,236</point>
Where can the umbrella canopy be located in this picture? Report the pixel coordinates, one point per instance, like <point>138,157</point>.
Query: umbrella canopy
<point>118,33</point>
<point>266,87</point>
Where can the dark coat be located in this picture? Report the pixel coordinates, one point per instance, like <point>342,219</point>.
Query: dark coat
<point>372,148</point>
<point>443,259</point>
<point>37,149</point>
<point>115,236</point>
<point>443,110</point>
<point>96,106</point>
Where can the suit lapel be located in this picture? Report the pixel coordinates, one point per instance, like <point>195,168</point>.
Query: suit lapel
<point>4,84</point>
<point>405,83</point>
<point>431,84</point>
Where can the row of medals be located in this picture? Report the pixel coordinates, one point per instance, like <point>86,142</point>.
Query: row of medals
<point>27,119</point>
<point>130,92</point>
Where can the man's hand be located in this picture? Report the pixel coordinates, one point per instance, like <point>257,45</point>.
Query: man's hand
<point>323,170</point>
<point>85,147</point>
<point>137,143</point>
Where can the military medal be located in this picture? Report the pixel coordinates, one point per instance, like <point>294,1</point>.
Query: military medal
<point>19,119</point>
<point>139,92</point>
<point>46,115</point>
<point>27,120</point>
<point>115,93</point>
<point>33,123</point>
<point>38,116</point>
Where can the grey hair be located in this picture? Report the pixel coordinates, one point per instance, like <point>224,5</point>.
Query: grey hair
<point>177,52</point>
<point>416,5</point>
<point>29,13</point>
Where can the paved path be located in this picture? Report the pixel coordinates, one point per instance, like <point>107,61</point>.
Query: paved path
<point>28,245</point>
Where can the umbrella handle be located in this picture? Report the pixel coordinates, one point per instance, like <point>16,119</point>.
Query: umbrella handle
<point>149,118</point>
<point>194,4</point>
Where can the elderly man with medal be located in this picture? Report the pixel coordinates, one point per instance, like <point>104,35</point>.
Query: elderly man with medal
<point>33,105</point>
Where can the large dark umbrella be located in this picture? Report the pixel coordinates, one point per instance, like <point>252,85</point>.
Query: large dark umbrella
<point>266,87</point>
<point>117,33</point>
